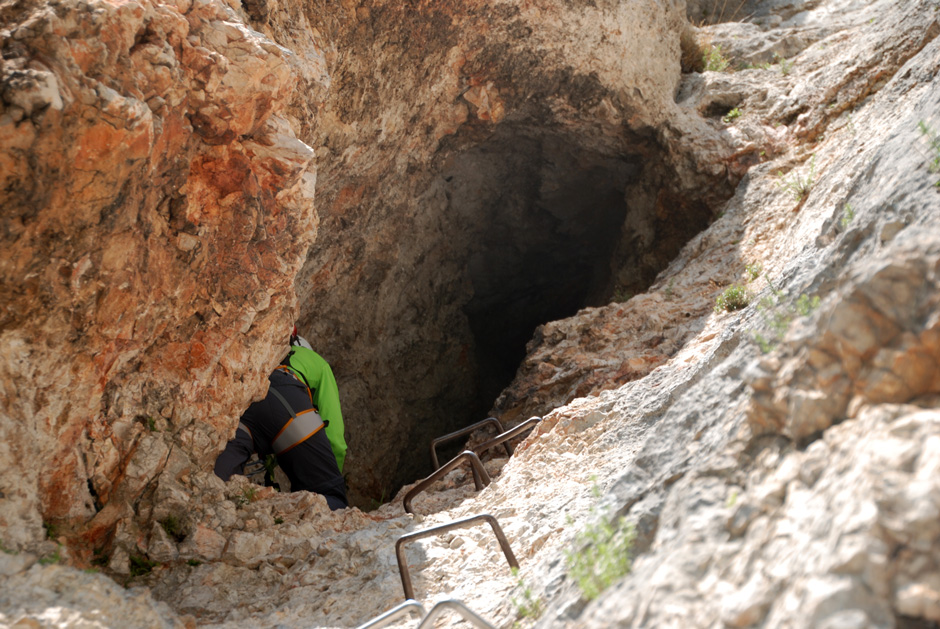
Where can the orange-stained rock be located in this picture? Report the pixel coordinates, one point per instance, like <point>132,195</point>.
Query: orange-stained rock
<point>137,210</point>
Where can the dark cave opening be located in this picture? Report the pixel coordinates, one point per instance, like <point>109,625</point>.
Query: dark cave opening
<point>542,216</point>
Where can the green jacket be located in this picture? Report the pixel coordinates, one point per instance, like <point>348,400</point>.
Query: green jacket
<point>316,372</point>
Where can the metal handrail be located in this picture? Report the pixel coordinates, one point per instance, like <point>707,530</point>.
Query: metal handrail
<point>458,607</point>
<point>460,433</point>
<point>400,545</point>
<point>394,614</point>
<point>509,434</point>
<point>480,478</point>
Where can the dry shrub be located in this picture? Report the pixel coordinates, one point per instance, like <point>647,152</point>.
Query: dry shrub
<point>692,59</point>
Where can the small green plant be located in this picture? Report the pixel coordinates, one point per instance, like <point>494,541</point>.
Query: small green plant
<point>731,116</point>
<point>778,313</point>
<point>753,271</point>
<point>91,570</point>
<point>279,520</point>
<point>785,65</point>
<point>151,424</point>
<point>601,556</point>
<point>798,185</point>
<point>55,557</point>
<point>171,525</point>
<point>622,294</point>
<point>732,498</point>
<point>933,147</point>
<point>52,531</point>
<point>848,215</point>
<point>733,298</point>
<point>806,305</point>
<point>100,558</point>
<point>193,562</point>
<point>670,288</point>
<point>713,60</point>
<point>756,66</point>
<point>527,605</point>
<point>141,565</point>
<point>248,495</point>
<point>7,550</point>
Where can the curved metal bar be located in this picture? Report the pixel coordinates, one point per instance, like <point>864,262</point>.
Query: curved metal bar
<point>528,424</point>
<point>480,478</point>
<point>472,617</point>
<point>456,524</point>
<point>460,433</point>
<point>394,614</point>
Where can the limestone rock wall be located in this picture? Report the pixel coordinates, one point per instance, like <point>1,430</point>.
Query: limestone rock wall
<point>156,207</point>
<point>779,462</point>
<point>470,155</point>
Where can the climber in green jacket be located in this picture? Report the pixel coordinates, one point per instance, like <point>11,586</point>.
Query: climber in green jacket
<point>316,373</point>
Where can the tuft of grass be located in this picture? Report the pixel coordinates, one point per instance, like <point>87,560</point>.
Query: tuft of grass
<point>848,215</point>
<point>52,531</point>
<point>248,495</point>
<point>731,116</point>
<point>933,148</point>
<point>141,565</point>
<point>279,520</point>
<point>778,313</point>
<point>806,305</point>
<point>799,185</point>
<point>527,605</point>
<point>55,557</point>
<point>727,11</point>
<point>753,271</point>
<point>173,528</point>
<point>732,498</point>
<point>785,65</point>
<point>193,562</point>
<point>601,555</point>
<point>733,298</point>
<point>714,60</point>
<point>7,550</point>
<point>692,57</point>
<point>621,295</point>
<point>670,288</point>
<point>152,424</point>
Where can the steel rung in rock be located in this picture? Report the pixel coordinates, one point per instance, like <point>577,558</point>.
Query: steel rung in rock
<point>394,614</point>
<point>528,424</point>
<point>480,478</point>
<point>456,524</point>
<point>465,431</point>
<point>468,614</point>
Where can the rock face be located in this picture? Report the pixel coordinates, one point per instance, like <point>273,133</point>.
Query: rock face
<point>779,463</point>
<point>157,206</point>
<point>485,167</point>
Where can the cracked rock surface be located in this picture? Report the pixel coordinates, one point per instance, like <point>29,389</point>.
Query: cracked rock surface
<point>779,462</point>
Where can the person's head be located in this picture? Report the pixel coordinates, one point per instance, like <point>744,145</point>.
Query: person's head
<point>296,339</point>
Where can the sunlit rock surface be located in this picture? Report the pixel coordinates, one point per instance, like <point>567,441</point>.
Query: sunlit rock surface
<point>779,463</point>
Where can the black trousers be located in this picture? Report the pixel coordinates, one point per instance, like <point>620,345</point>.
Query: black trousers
<point>310,466</point>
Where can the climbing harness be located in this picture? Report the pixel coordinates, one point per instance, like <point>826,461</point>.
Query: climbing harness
<point>300,427</point>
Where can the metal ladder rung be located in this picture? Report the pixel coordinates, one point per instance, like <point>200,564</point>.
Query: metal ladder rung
<point>480,477</point>
<point>465,431</point>
<point>404,539</point>
<point>383,620</point>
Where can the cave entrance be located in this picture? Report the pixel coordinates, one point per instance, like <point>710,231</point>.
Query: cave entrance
<point>541,216</point>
